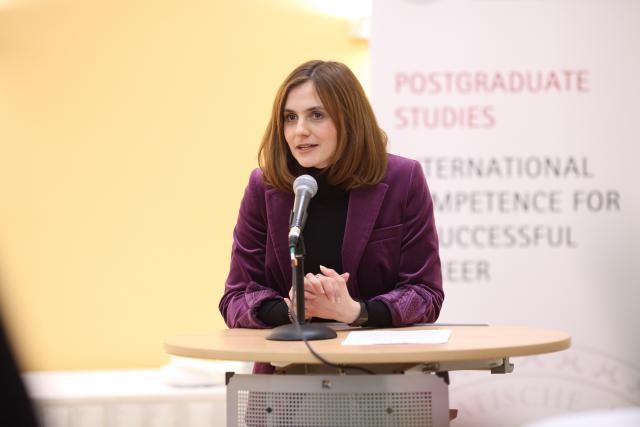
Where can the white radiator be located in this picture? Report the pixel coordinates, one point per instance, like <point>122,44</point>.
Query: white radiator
<point>126,398</point>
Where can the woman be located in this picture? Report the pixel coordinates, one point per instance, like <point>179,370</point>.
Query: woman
<point>371,244</point>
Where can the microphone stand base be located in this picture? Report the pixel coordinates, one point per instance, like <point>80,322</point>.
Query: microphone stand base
<point>310,331</point>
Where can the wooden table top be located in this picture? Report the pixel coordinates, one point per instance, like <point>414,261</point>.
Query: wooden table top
<point>467,343</point>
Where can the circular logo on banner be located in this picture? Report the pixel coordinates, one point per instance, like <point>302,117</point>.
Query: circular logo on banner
<point>575,380</point>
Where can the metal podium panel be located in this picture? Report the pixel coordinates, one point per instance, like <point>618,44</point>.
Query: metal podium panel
<point>337,400</point>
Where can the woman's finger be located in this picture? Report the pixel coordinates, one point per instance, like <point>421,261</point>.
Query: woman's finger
<point>314,282</point>
<point>309,288</point>
<point>330,288</point>
<point>329,272</point>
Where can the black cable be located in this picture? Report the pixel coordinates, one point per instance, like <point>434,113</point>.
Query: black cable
<point>313,352</point>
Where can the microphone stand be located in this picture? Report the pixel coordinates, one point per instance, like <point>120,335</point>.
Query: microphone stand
<point>300,330</point>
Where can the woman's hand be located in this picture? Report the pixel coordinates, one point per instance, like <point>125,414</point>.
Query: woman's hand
<point>307,316</point>
<point>326,296</point>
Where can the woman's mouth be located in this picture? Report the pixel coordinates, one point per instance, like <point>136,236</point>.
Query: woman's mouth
<point>305,147</point>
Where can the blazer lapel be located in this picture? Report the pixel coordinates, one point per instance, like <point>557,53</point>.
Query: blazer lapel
<point>279,207</point>
<point>364,206</point>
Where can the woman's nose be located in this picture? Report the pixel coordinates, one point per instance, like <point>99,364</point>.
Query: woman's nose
<point>301,127</point>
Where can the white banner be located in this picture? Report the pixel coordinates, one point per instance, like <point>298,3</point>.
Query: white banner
<point>525,117</point>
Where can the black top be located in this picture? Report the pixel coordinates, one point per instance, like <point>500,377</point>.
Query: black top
<point>323,235</point>
<point>323,232</point>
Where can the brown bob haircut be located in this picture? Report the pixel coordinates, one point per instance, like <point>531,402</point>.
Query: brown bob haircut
<point>361,153</point>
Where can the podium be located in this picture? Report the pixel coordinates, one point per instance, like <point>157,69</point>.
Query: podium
<point>410,387</point>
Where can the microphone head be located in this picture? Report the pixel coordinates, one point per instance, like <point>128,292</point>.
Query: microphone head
<point>305,182</point>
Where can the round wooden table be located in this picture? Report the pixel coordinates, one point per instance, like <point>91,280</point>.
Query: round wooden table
<point>466,343</point>
<point>469,347</point>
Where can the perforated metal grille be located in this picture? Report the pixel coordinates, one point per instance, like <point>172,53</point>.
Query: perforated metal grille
<point>334,409</point>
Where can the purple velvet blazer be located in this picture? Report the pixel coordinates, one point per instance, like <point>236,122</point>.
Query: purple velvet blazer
<point>390,248</point>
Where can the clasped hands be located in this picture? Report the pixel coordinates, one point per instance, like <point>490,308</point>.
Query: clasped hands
<point>326,296</point>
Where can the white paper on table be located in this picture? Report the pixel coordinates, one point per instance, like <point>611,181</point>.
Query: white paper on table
<point>436,336</point>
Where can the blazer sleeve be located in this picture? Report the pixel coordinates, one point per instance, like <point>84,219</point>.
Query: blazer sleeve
<point>418,294</point>
<point>245,289</point>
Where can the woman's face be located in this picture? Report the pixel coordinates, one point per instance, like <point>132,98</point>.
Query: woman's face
<point>310,133</point>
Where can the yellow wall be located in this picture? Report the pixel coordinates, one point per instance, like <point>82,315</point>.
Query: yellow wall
<point>128,129</point>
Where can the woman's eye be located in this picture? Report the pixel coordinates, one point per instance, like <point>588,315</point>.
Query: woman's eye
<point>317,115</point>
<point>290,117</point>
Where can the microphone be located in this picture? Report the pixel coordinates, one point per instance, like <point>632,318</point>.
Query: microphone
<point>304,187</point>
